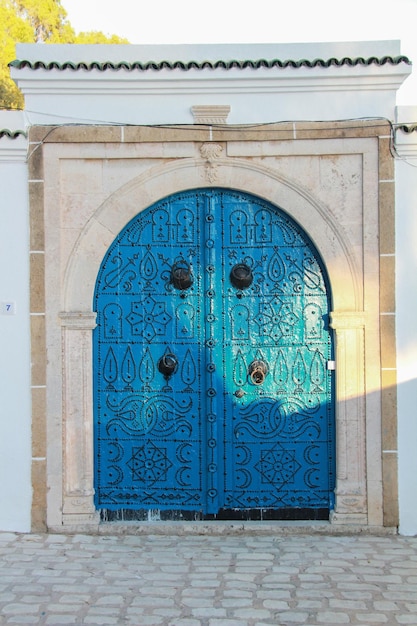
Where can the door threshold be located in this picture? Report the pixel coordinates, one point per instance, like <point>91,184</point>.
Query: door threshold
<point>230,528</point>
<point>222,515</point>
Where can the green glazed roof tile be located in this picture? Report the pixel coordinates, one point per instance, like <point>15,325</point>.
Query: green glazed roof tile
<point>212,65</point>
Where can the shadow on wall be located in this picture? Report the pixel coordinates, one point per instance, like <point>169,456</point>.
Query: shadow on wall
<point>407,457</point>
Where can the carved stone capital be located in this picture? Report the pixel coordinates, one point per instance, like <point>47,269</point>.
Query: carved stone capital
<point>78,320</point>
<point>210,113</point>
<point>347,319</point>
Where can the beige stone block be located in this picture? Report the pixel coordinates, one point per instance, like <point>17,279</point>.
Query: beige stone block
<point>387,284</point>
<point>38,354</point>
<point>38,496</point>
<point>151,151</point>
<point>70,237</point>
<point>85,134</point>
<point>390,489</point>
<point>386,159</point>
<point>81,275</point>
<point>388,355</point>
<point>203,133</point>
<point>389,409</point>
<point>38,422</point>
<point>143,134</point>
<point>37,282</point>
<point>78,208</point>
<point>118,172</point>
<point>36,223</point>
<point>35,161</point>
<point>273,132</point>
<point>317,130</point>
<point>82,176</point>
<point>342,129</point>
<point>387,218</point>
<point>38,134</point>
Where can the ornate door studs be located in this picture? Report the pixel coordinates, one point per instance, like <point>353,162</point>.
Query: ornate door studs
<point>210,381</point>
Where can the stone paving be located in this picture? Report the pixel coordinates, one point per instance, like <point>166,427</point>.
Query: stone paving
<point>208,580</point>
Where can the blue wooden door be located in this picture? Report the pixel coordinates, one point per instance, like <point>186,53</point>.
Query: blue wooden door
<point>212,392</point>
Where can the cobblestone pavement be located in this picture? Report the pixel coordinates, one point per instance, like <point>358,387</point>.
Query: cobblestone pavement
<point>208,580</point>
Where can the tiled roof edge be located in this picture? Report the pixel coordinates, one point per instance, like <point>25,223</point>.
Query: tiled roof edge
<point>12,134</point>
<point>201,65</point>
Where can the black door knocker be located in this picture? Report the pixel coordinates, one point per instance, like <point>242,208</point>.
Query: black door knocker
<point>241,276</point>
<point>181,275</point>
<point>167,365</point>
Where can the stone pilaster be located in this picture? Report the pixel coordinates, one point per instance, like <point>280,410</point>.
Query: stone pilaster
<point>78,480</point>
<point>350,505</point>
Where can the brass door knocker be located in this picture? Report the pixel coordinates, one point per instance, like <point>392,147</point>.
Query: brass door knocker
<point>258,371</point>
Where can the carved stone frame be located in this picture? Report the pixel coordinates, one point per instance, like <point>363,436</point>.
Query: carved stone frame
<point>75,246</point>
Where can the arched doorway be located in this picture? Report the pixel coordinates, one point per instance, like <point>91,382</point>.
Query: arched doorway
<point>212,393</point>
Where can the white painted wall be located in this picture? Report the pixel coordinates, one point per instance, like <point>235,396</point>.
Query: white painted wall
<point>406,241</point>
<point>167,97</point>
<point>15,405</point>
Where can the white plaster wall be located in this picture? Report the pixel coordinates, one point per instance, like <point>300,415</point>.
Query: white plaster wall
<point>166,96</point>
<point>406,241</point>
<point>15,405</point>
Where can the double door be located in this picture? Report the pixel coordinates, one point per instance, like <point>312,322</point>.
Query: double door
<point>211,381</point>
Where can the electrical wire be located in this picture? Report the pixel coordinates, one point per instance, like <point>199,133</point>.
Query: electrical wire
<point>325,125</point>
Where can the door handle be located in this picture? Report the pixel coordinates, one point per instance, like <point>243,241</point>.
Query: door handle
<point>258,371</point>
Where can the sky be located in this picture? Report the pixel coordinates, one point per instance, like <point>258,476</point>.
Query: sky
<point>258,21</point>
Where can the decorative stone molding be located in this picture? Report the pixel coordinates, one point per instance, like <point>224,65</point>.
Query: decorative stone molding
<point>82,239</point>
<point>78,462</point>
<point>78,320</point>
<point>210,114</point>
<point>211,152</point>
<point>347,319</point>
<point>350,505</point>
